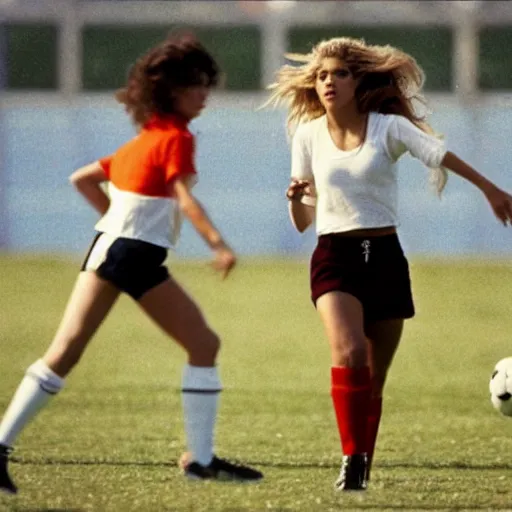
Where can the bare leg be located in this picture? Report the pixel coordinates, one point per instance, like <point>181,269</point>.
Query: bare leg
<point>383,340</point>
<point>342,316</point>
<point>89,303</point>
<point>178,315</point>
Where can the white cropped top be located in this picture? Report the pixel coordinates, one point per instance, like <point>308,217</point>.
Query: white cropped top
<point>357,189</point>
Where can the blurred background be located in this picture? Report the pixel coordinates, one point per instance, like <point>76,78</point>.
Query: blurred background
<point>61,60</point>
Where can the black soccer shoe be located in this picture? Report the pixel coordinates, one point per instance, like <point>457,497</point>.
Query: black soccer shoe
<point>6,484</point>
<point>218,469</point>
<point>353,473</point>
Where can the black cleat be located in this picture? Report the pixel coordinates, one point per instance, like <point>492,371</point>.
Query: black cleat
<point>6,484</point>
<point>353,473</point>
<point>218,469</point>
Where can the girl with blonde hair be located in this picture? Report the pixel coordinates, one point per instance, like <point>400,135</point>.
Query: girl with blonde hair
<point>353,112</point>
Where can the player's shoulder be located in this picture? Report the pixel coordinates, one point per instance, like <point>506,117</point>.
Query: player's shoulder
<point>306,131</point>
<point>311,126</point>
<point>169,137</point>
<point>383,121</point>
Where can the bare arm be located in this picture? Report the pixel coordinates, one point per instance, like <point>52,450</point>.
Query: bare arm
<point>500,201</point>
<point>197,215</point>
<point>462,169</point>
<point>301,215</point>
<point>225,259</point>
<point>87,180</point>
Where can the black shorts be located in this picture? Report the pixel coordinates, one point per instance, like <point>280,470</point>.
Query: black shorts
<point>372,269</point>
<point>131,265</point>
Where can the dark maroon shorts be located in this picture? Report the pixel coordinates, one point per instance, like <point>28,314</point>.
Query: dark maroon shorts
<point>372,269</point>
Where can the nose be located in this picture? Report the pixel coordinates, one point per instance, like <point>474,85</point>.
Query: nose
<point>328,84</point>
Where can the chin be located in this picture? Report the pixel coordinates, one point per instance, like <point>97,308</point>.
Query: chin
<point>196,113</point>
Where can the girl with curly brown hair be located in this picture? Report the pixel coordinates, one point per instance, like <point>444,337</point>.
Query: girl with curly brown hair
<point>149,183</point>
<point>352,110</point>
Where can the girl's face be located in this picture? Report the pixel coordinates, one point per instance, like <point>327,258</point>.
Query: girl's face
<point>189,101</point>
<point>335,84</point>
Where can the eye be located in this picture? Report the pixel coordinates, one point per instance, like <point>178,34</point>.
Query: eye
<point>322,76</point>
<point>342,73</point>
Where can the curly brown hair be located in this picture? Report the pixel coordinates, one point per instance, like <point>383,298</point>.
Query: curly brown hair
<point>177,62</point>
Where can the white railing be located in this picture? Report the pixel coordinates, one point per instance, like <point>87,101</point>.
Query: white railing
<point>273,17</point>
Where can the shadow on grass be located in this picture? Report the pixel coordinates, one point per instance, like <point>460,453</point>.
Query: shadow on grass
<point>415,507</point>
<point>278,465</point>
<point>360,506</point>
<point>19,509</point>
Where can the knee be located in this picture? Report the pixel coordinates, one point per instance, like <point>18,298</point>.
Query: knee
<point>212,343</point>
<point>204,352</point>
<point>352,353</point>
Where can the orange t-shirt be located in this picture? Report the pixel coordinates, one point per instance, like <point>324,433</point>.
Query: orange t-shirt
<point>145,165</point>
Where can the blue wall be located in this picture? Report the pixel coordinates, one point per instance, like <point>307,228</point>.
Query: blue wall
<point>243,161</point>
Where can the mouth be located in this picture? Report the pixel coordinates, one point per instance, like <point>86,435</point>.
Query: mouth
<point>330,95</point>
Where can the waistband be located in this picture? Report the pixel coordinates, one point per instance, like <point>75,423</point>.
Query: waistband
<point>365,233</point>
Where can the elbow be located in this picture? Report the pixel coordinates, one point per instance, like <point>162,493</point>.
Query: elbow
<point>188,207</point>
<point>79,180</point>
<point>301,227</point>
<point>74,179</point>
<point>300,218</point>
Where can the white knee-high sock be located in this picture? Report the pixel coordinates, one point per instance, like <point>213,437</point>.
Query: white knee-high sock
<point>200,394</point>
<point>37,387</point>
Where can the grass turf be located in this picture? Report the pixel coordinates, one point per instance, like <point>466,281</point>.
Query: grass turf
<point>111,440</point>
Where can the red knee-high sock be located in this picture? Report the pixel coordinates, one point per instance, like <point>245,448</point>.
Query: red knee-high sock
<point>374,415</point>
<point>351,392</point>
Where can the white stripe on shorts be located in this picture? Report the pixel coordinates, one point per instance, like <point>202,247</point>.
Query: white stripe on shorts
<point>99,251</point>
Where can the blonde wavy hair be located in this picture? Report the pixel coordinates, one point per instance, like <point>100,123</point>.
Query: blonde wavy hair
<point>390,82</point>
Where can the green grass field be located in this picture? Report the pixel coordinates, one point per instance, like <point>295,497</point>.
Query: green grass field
<point>111,440</point>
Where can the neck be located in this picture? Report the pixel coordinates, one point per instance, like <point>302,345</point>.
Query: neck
<point>347,118</point>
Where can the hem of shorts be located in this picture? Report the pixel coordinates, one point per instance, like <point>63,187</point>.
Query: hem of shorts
<point>377,318</point>
<point>346,229</point>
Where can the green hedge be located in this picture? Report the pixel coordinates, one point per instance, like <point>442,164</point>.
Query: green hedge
<point>31,57</point>
<point>432,47</point>
<point>32,52</point>
<point>495,64</point>
<point>108,52</point>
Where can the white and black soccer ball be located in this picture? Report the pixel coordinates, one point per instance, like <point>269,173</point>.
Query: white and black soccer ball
<point>500,386</point>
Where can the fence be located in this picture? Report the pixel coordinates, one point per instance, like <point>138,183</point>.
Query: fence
<point>243,161</point>
<point>61,56</point>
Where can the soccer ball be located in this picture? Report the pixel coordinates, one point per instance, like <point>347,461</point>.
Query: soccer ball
<point>500,386</point>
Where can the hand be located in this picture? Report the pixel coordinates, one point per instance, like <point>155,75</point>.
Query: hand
<point>501,203</point>
<point>297,189</point>
<point>224,260</point>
